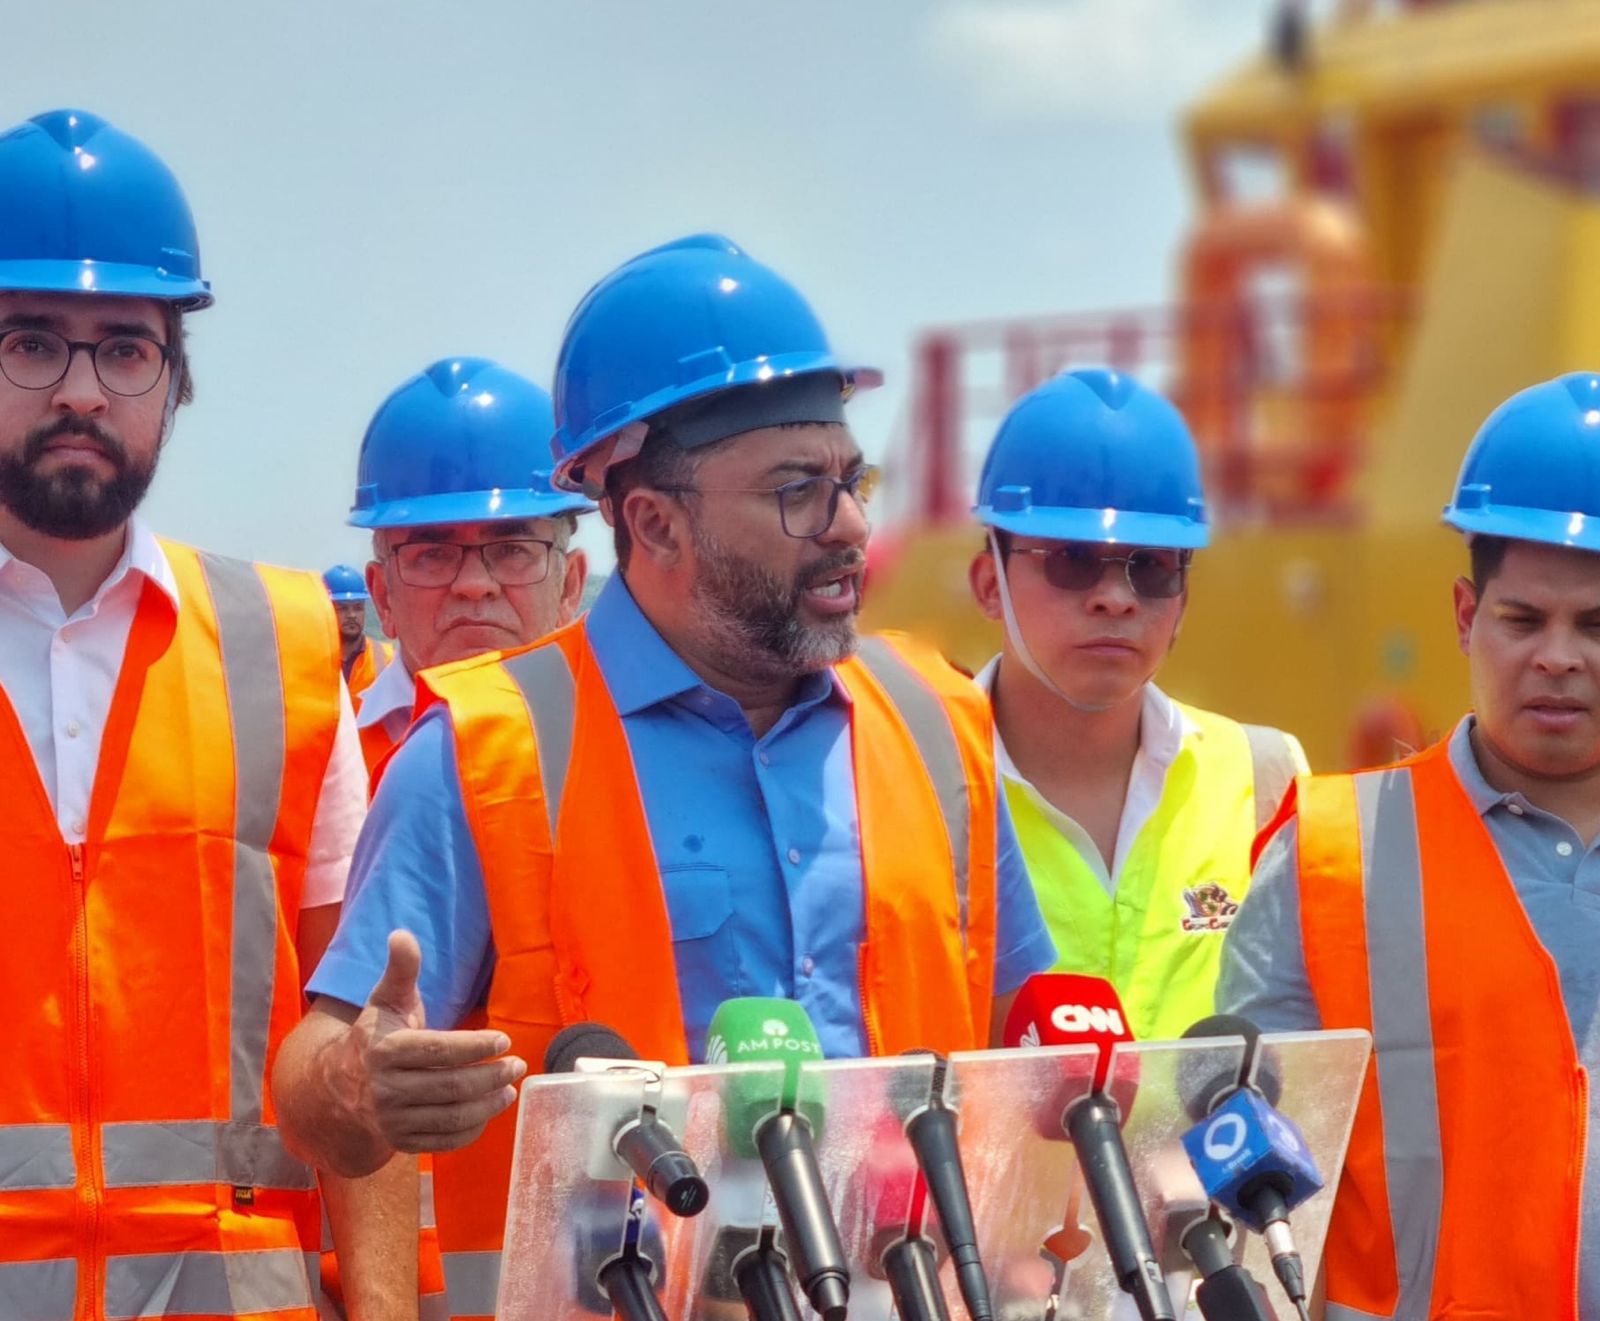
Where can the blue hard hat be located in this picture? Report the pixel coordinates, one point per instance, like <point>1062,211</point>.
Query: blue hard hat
<point>466,441</point>
<point>88,209</point>
<point>1532,472</point>
<point>677,323</point>
<point>345,584</point>
<point>1094,456</point>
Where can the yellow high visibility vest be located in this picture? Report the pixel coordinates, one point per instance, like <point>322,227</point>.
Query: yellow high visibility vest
<point>1158,937</point>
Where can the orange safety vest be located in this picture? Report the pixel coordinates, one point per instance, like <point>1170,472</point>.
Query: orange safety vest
<point>375,746</point>
<point>373,660</point>
<point>151,974</point>
<point>555,811</point>
<point>1449,1206</point>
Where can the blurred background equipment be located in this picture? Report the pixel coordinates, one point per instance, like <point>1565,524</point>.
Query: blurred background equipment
<point>1397,228</point>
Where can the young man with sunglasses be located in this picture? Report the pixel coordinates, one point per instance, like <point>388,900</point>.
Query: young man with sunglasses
<point>1135,813</point>
<point>470,543</point>
<point>708,787</point>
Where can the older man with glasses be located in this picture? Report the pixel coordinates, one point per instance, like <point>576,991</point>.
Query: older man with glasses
<point>1135,813</point>
<point>470,543</point>
<point>708,787</point>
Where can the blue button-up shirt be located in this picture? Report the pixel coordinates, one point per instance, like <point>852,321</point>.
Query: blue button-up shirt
<point>757,840</point>
<point>1556,875</point>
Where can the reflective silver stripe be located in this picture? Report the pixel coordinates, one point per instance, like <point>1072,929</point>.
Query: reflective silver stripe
<point>36,1156</point>
<point>1339,1312</point>
<point>38,1290</point>
<point>138,1155</point>
<point>551,693</point>
<point>1402,1029</point>
<point>255,705</point>
<point>425,1198</point>
<point>925,717</point>
<point>1272,769</point>
<point>433,1307</point>
<point>207,1283</point>
<point>471,1280</point>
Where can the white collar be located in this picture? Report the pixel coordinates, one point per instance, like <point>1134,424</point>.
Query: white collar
<point>393,690</point>
<point>141,554</point>
<point>1162,727</point>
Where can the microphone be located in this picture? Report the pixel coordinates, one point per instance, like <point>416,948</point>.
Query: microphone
<point>1251,1159</point>
<point>932,1133</point>
<point>901,1252</point>
<point>639,1138</point>
<point>745,1264</point>
<point>1065,1009</point>
<point>752,1029</point>
<point>1227,1291</point>
<point>619,1254</point>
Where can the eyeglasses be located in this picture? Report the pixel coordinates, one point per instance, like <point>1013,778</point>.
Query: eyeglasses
<point>806,507</point>
<point>511,562</point>
<point>1155,574</point>
<point>126,364</point>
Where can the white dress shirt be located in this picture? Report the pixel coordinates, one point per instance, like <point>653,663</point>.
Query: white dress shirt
<point>60,674</point>
<point>1162,728</point>
<point>388,699</point>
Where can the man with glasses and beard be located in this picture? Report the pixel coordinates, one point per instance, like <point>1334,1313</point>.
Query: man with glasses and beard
<point>180,791</point>
<point>1135,813</point>
<point>709,787</point>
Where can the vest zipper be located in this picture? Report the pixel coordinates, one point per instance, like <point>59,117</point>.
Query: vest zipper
<point>1583,1155</point>
<point>89,1198</point>
<point>869,1020</point>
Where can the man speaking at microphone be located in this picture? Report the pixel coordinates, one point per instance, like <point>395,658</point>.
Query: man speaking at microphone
<point>1448,905</point>
<point>710,782</point>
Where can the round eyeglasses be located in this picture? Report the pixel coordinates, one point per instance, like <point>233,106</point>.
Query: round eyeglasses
<point>1154,573</point>
<point>127,365</point>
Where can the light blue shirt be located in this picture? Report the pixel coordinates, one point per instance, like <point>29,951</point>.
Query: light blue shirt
<point>756,838</point>
<point>1556,876</point>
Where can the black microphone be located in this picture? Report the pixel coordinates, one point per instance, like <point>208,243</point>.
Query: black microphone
<point>641,1140</point>
<point>1264,1169</point>
<point>619,1254</point>
<point>932,1133</point>
<point>746,1264</point>
<point>913,1274</point>
<point>1227,1291</point>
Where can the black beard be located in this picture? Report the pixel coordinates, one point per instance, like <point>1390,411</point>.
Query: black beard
<point>756,615</point>
<point>71,503</point>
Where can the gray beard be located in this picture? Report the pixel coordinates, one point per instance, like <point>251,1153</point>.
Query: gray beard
<point>751,617</point>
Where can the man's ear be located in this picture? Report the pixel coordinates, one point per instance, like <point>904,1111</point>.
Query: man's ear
<point>1465,597</point>
<point>576,574</point>
<point>983,576</point>
<point>378,590</point>
<point>658,525</point>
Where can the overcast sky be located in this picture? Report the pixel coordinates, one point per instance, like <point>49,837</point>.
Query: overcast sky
<point>380,184</point>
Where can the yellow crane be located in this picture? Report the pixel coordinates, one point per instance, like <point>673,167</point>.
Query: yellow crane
<point>1398,226</point>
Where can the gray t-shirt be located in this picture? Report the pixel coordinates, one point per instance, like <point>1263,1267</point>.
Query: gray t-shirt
<point>1557,878</point>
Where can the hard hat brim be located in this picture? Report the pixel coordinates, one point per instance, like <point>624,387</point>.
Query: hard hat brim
<point>1548,527</point>
<point>752,372</point>
<point>111,279</point>
<point>468,507</point>
<point>1110,526</point>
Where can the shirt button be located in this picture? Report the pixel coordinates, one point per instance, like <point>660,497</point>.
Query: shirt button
<point>763,758</point>
<point>1515,808</point>
<point>1564,849</point>
<point>73,729</point>
<point>808,965</point>
<point>77,827</point>
<point>794,855</point>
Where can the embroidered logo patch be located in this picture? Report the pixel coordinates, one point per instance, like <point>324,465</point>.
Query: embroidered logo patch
<point>1210,909</point>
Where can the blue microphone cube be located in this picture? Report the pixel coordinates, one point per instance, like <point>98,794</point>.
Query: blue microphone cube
<point>1244,1142</point>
